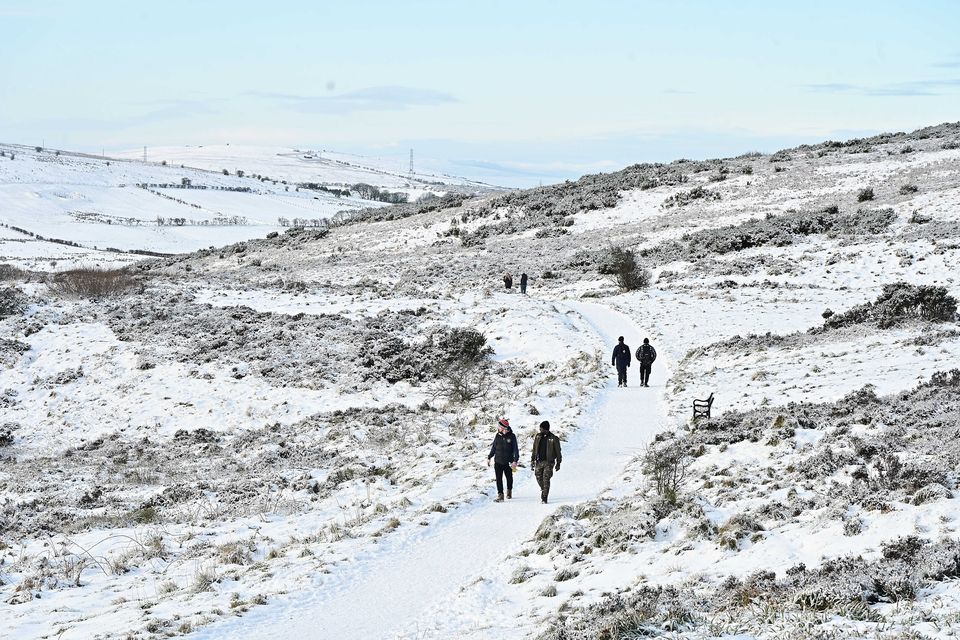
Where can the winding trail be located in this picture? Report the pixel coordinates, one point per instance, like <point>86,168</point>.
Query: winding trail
<point>408,579</point>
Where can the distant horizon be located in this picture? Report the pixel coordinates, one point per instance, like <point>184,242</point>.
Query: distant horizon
<point>514,93</point>
<point>510,177</point>
<point>492,173</point>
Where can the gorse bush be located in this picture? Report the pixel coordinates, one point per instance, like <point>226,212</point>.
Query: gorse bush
<point>93,282</point>
<point>865,194</point>
<point>898,303</point>
<point>622,265</point>
<point>683,198</point>
<point>463,344</point>
<point>462,356</point>
<point>9,302</point>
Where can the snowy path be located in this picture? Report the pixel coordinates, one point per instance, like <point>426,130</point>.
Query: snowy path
<point>401,585</point>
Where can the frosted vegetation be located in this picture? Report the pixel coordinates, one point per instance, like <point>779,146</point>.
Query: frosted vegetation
<point>196,438</point>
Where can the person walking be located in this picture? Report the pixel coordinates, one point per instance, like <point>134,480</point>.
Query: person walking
<point>508,281</point>
<point>621,359</point>
<point>523,283</point>
<point>646,354</point>
<point>505,454</point>
<point>545,458</point>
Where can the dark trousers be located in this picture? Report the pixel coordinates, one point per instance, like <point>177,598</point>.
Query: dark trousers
<point>543,472</point>
<point>503,470</point>
<point>523,287</point>
<point>645,372</point>
<point>621,374</point>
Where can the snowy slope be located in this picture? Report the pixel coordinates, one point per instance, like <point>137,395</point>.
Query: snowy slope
<point>308,165</point>
<point>268,439</point>
<point>101,203</point>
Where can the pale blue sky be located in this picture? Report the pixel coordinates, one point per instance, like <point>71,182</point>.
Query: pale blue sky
<point>516,92</point>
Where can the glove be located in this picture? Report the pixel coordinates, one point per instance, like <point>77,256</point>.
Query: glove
<point>557,468</point>
<point>488,462</point>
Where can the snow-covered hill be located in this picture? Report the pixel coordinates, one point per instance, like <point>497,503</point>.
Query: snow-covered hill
<point>332,168</point>
<point>177,204</point>
<point>287,437</point>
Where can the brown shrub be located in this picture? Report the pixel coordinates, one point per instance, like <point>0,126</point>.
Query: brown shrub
<point>93,282</point>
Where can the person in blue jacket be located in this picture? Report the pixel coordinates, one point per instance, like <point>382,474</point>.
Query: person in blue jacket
<point>505,454</point>
<point>621,359</point>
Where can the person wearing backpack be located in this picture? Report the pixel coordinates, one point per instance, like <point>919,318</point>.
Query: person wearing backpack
<point>646,354</point>
<point>505,454</point>
<point>545,458</point>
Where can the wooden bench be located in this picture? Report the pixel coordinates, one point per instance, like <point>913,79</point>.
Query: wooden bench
<point>701,408</point>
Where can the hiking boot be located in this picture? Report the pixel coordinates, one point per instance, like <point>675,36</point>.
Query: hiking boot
<point>543,501</point>
<point>509,494</point>
<point>499,498</point>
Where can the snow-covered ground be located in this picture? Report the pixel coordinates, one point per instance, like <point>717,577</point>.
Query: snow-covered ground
<point>286,437</point>
<point>123,203</point>
<point>308,165</point>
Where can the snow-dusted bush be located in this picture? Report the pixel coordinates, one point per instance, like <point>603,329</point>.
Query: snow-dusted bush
<point>622,265</point>
<point>683,198</point>
<point>865,194</point>
<point>93,282</point>
<point>665,462</point>
<point>462,344</point>
<point>465,381</point>
<point>11,302</point>
<point>11,272</point>
<point>898,303</point>
<point>643,612</point>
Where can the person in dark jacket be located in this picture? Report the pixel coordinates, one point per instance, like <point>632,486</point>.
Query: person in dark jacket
<point>505,454</point>
<point>508,281</point>
<point>621,359</point>
<point>646,354</point>
<point>545,458</point>
<point>523,283</point>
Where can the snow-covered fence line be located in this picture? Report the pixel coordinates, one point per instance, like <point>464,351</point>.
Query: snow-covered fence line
<point>70,243</point>
<point>37,236</point>
<point>103,218</point>
<point>189,185</point>
<point>219,221</point>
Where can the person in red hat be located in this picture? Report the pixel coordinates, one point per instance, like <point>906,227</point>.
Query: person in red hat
<point>505,454</point>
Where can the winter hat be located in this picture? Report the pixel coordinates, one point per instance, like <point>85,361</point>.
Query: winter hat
<point>545,425</point>
<point>503,422</point>
<point>646,341</point>
<point>620,339</point>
